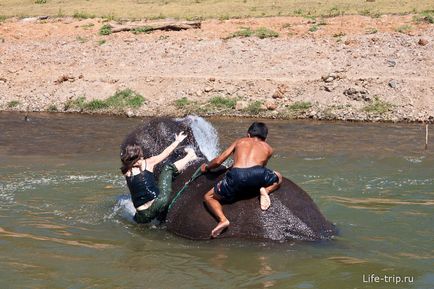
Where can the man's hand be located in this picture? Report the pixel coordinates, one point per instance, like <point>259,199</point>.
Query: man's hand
<point>204,168</point>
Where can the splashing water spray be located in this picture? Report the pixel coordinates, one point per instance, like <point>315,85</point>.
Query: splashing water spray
<point>205,135</point>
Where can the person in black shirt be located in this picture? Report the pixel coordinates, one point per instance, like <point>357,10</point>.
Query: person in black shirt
<point>148,198</point>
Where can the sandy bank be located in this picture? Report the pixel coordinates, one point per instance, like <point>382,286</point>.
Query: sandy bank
<point>349,68</point>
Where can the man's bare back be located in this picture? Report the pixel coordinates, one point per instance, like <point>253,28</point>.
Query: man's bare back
<point>249,152</point>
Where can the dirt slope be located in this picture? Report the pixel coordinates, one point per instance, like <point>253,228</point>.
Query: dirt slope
<point>351,67</point>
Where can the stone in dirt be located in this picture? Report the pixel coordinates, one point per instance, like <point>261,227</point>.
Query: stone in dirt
<point>328,88</point>
<point>422,42</point>
<point>280,91</point>
<point>270,105</point>
<point>241,105</point>
<point>129,113</point>
<point>329,77</point>
<point>393,83</point>
<point>391,63</point>
<point>64,78</point>
<point>357,93</point>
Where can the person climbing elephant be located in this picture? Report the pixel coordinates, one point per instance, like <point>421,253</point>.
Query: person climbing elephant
<point>149,199</point>
<point>247,174</point>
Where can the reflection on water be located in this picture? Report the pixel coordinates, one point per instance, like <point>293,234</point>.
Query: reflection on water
<point>61,226</point>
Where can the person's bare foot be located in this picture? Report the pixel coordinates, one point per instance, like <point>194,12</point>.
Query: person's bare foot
<point>264,199</point>
<point>219,228</point>
<point>191,154</point>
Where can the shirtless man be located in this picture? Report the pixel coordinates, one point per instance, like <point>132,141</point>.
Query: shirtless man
<point>248,173</point>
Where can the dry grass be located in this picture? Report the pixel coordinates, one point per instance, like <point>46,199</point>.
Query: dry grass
<point>221,9</point>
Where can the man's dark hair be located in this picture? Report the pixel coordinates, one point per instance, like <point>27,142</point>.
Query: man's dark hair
<point>259,130</point>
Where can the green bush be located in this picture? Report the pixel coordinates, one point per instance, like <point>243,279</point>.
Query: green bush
<point>87,26</point>
<point>106,29</point>
<point>78,103</point>
<point>254,107</point>
<point>40,1</point>
<point>125,98</point>
<point>52,108</point>
<point>182,102</point>
<point>264,32</point>
<point>110,17</point>
<point>122,99</point>
<point>223,102</point>
<point>243,32</point>
<point>314,28</point>
<point>261,32</point>
<point>300,106</point>
<point>334,11</point>
<point>142,29</point>
<point>82,15</point>
<point>96,104</point>
<point>425,16</point>
<point>378,106</point>
<point>404,29</point>
<point>371,30</point>
<point>13,103</point>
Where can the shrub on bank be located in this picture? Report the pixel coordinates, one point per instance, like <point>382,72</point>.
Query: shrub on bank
<point>378,106</point>
<point>105,30</point>
<point>223,102</point>
<point>261,32</point>
<point>13,103</point>
<point>299,106</point>
<point>119,101</point>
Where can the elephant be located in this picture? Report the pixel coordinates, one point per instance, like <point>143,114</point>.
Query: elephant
<point>292,216</point>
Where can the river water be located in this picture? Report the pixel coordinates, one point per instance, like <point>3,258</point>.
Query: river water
<point>61,225</point>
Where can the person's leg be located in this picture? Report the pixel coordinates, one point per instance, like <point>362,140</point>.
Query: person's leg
<point>182,163</point>
<point>165,181</point>
<point>265,191</point>
<point>213,203</point>
<point>161,202</point>
<point>165,187</point>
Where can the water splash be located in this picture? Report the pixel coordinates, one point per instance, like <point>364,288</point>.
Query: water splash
<point>124,208</point>
<point>206,136</point>
<point>415,160</point>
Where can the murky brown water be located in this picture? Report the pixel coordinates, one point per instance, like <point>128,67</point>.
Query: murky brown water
<point>60,226</point>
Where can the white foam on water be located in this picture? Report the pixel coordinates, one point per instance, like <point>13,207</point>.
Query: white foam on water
<point>314,158</point>
<point>124,207</point>
<point>205,135</point>
<point>415,160</point>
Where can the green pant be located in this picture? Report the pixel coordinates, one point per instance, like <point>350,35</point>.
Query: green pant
<point>160,203</point>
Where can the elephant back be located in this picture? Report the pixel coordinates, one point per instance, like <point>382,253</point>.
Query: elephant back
<point>292,215</point>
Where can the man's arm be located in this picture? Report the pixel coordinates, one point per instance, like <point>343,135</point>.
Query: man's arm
<point>215,163</point>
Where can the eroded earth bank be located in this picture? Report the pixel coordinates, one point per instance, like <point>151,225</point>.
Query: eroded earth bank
<point>348,67</point>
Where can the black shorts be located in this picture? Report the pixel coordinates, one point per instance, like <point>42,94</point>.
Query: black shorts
<point>240,183</point>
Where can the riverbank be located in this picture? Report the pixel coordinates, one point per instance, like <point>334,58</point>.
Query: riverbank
<point>345,67</point>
